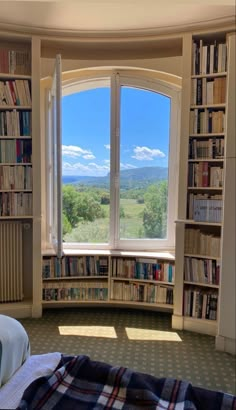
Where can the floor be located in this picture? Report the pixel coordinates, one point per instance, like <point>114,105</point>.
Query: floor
<point>142,340</point>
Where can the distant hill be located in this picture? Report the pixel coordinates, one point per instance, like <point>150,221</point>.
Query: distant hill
<point>130,178</point>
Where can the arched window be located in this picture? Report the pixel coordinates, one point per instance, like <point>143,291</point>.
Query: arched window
<point>119,161</point>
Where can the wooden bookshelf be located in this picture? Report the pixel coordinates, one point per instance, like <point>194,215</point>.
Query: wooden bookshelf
<point>19,152</point>
<point>200,227</point>
<point>133,278</point>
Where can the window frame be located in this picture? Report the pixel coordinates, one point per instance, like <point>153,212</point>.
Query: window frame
<point>116,79</point>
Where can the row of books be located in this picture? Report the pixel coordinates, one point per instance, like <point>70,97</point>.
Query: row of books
<point>204,207</point>
<point>15,151</point>
<point>12,177</point>
<point>139,292</point>
<point>82,293</point>
<point>208,91</point>
<point>68,266</point>
<point>201,243</point>
<point>200,304</point>
<point>15,204</point>
<point>15,61</point>
<point>205,174</point>
<point>139,268</point>
<point>207,148</point>
<point>202,270</point>
<point>15,123</point>
<point>15,92</point>
<point>208,58</point>
<point>206,121</point>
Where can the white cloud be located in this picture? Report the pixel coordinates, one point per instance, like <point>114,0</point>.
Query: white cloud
<point>107,161</point>
<point>127,166</point>
<point>107,146</point>
<point>91,169</point>
<point>74,151</point>
<point>147,154</point>
<point>88,156</point>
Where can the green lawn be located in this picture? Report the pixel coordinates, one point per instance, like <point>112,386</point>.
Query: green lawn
<point>98,230</point>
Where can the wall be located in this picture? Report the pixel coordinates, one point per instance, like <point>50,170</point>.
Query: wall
<point>172,65</point>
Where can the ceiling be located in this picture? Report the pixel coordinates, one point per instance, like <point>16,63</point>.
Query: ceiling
<point>113,17</point>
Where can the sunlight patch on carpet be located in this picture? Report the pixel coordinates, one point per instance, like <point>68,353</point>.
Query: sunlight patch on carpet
<point>150,334</point>
<point>88,331</point>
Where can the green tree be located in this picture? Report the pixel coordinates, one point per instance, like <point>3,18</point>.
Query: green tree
<point>105,198</point>
<point>81,206</point>
<point>70,204</point>
<point>155,211</point>
<point>89,208</point>
<point>67,228</point>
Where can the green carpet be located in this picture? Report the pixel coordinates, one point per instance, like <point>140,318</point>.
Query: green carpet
<point>141,340</point>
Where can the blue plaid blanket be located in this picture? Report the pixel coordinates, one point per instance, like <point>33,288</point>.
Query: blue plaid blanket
<point>80,383</point>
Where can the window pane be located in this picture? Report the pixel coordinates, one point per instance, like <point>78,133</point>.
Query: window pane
<point>86,166</point>
<point>144,148</point>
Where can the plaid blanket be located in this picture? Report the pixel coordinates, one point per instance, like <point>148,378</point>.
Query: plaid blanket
<point>80,383</point>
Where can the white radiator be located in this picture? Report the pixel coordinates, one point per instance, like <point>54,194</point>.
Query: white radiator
<point>11,263</point>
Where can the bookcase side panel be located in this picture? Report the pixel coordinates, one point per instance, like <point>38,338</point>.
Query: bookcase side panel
<point>36,155</point>
<point>226,338</point>
<point>177,321</point>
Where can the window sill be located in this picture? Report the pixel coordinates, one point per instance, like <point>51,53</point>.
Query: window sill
<point>162,254</point>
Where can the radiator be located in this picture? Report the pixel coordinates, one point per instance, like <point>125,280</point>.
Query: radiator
<point>11,263</point>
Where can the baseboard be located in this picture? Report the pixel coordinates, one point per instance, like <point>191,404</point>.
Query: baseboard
<point>225,344</point>
<point>177,322</point>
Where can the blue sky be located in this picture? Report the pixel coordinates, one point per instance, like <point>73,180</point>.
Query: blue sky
<point>86,131</point>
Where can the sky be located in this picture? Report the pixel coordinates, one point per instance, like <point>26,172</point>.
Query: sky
<point>144,131</point>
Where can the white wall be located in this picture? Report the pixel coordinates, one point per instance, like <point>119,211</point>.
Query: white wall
<point>172,65</point>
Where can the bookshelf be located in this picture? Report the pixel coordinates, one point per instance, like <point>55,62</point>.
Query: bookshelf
<point>200,227</point>
<point>19,143</point>
<point>144,279</point>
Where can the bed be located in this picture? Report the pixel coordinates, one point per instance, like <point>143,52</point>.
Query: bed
<point>58,381</point>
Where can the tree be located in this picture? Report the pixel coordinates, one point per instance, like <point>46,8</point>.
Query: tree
<point>105,198</point>
<point>79,206</point>
<point>70,204</point>
<point>155,211</point>
<point>67,228</point>
<point>88,208</point>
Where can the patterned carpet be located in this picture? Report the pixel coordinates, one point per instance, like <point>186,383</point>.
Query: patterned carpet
<point>134,338</point>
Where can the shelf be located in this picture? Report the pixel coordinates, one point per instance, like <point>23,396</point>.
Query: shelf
<point>16,217</point>
<point>222,105</point>
<point>158,282</point>
<point>15,76</point>
<point>75,301</point>
<point>12,137</point>
<point>15,107</point>
<point>66,278</point>
<point>210,75</point>
<point>206,160</point>
<point>207,135</point>
<point>16,190</point>
<point>204,188</point>
<point>207,285</point>
<point>142,304</point>
<point>191,255</point>
<point>16,163</point>
<point>192,222</point>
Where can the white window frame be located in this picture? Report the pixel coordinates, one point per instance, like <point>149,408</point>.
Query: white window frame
<point>116,80</point>
<point>174,94</point>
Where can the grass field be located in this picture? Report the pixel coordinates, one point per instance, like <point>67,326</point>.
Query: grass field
<point>131,225</point>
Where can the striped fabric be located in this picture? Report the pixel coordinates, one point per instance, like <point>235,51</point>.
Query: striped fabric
<point>80,383</point>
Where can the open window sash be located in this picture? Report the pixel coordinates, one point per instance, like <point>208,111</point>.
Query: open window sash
<point>56,159</point>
